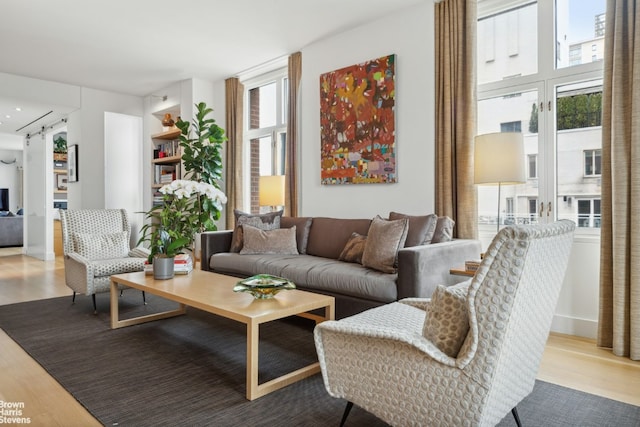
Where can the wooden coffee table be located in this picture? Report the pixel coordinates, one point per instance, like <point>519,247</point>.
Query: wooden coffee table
<point>213,293</point>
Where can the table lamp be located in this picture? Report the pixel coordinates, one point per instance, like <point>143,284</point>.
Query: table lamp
<point>271,191</point>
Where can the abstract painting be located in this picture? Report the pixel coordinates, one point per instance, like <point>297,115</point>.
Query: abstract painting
<point>357,123</point>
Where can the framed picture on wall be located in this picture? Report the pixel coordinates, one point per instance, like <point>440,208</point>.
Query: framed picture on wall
<point>61,181</point>
<point>72,162</point>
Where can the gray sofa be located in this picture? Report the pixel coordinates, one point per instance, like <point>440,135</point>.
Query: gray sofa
<point>316,268</point>
<point>11,230</point>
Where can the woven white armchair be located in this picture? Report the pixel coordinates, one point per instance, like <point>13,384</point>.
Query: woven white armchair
<point>96,245</point>
<point>468,355</point>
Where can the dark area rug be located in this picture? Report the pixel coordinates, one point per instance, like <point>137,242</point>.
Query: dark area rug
<point>190,370</point>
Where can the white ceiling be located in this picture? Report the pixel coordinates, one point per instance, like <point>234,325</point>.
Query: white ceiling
<point>140,46</point>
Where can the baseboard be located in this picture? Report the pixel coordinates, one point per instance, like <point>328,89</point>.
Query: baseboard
<point>573,326</point>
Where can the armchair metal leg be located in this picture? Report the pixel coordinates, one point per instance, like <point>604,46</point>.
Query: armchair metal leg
<point>144,298</point>
<point>73,299</point>
<point>95,307</point>
<point>345,414</point>
<point>514,411</point>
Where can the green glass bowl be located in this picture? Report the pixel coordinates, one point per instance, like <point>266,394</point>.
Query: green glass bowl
<point>263,286</point>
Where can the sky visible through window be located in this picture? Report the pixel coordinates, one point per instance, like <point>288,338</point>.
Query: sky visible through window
<point>582,17</point>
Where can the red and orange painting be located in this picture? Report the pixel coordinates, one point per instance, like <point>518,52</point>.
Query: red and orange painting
<point>357,123</point>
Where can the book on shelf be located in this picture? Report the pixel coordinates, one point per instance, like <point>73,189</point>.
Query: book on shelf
<point>182,264</point>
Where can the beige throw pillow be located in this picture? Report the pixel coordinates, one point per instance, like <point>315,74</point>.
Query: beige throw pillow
<point>354,249</point>
<point>447,322</point>
<point>384,240</point>
<point>281,241</point>
<point>102,246</point>
<point>267,221</point>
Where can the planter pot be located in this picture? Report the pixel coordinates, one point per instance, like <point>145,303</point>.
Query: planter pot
<point>163,268</point>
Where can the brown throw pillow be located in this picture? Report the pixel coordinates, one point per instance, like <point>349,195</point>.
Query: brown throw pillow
<point>444,230</point>
<point>354,249</point>
<point>384,240</point>
<point>281,241</point>
<point>267,221</point>
<point>447,323</point>
<point>421,228</point>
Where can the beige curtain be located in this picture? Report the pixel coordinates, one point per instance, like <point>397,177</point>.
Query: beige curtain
<point>291,161</point>
<point>234,95</point>
<point>619,319</point>
<point>455,38</point>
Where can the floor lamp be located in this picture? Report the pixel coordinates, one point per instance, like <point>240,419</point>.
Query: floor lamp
<point>271,191</point>
<point>499,159</point>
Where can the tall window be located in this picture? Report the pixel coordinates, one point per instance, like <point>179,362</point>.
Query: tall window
<point>551,91</point>
<point>266,132</point>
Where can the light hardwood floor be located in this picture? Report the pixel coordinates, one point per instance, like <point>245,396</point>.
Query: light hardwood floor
<point>568,361</point>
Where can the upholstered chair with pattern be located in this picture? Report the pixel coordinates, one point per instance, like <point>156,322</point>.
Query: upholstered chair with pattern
<point>465,357</point>
<point>96,245</point>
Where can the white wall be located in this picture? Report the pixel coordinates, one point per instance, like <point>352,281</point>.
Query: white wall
<point>409,35</point>
<point>123,167</point>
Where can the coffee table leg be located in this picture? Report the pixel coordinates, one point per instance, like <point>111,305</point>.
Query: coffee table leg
<point>114,304</point>
<point>253,332</point>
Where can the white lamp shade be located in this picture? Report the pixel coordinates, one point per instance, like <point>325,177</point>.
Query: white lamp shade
<point>271,190</point>
<point>499,158</point>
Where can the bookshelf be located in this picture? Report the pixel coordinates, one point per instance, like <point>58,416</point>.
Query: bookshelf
<point>167,157</point>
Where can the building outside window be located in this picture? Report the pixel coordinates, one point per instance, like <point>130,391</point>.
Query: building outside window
<point>532,166</point>
<point>592,162</point>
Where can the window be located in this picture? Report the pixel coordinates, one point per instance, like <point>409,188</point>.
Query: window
<point>265,132</point>
<point>551,91</point>
<point>592,162</point>
<point>589,213</point>
<point>511,126</point>
<point>533,166</point>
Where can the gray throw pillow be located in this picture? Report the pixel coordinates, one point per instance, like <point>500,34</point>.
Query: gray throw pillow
<point>280,241</point>
<point>444,230</point>
<point>421,228</point>
<point>267,221</point>
<point>384,240</point>
<point>303,226</point>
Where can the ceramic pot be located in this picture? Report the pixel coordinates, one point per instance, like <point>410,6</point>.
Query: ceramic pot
<point>163,268</point>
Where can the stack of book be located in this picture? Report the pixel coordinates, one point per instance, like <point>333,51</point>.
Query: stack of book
<point>182,264</point>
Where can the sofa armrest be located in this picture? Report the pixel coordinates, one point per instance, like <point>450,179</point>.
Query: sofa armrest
<point>422,268</point>
<point>214,242</point>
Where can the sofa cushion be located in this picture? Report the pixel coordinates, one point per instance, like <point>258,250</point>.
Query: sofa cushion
<point>279,241</point>
<point>102,246</point>
<point>384,240</point>
<point>312,273</point>
<point>447,323</point>
<point>267,221</point>
<point>328,236</point>
<point>421,228</point>
<point>303,226</point>
<point>354,249</point>
<point>444,230</point>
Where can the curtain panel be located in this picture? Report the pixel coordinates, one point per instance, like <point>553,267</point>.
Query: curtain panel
<point>234,92</point>
<point>291,161</point>
<point>455,75</point>
<point>619,315</point>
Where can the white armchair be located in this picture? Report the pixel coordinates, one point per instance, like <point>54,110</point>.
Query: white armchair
<point>96,245</point>
<point>468,355</point>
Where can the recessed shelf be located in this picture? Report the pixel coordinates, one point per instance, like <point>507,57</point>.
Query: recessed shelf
<point>164,160</point>
<point>169,134</point>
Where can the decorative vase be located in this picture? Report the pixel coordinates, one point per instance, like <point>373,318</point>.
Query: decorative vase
<point>163,268</point>
<point>167,120</point>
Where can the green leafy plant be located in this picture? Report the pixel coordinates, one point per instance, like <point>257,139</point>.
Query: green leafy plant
<point>172,224</point>
<point>59,145</point>
<point>201,143</point>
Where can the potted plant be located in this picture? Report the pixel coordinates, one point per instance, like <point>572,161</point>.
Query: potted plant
<point>59,148</point>
<point>201,143</point>
<point>172,224</point>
